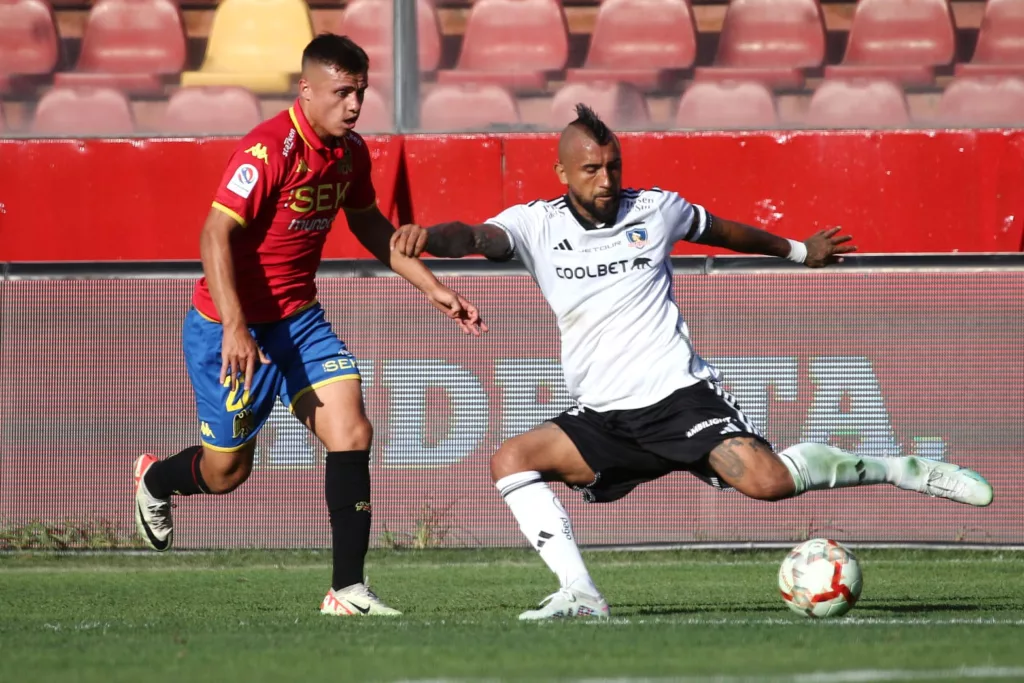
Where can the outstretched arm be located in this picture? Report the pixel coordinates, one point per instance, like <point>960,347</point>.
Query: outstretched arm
<point>820,249</point>
<point>453,240</point>
<point>374,231</point>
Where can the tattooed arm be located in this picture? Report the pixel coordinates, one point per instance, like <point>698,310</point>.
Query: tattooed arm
<point>453,240</point>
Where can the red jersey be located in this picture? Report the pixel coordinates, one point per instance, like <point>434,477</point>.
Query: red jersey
<point>285,186</point>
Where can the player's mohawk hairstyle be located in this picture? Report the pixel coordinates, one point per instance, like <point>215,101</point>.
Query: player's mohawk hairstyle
<point>587,118</point>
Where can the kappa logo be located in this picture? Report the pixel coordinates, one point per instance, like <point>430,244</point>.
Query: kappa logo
<point>303,167</point>
<point>205,430</point>
<point>259,151</point>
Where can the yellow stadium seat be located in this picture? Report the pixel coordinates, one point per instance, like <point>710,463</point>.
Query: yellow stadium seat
<point>256,44</point>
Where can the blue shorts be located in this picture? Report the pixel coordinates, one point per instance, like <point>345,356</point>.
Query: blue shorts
<point>304,354</point>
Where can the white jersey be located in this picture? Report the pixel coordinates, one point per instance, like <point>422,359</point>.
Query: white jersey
<point>625,344</point>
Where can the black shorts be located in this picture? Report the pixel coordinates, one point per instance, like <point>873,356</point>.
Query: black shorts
<point>626,448</point>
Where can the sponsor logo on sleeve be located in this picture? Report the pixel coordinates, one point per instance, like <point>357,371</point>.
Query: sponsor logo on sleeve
<point>244,180</point>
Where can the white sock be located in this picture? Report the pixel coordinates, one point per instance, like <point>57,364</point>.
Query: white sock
<point>817,466</point>
<point>545,523</point>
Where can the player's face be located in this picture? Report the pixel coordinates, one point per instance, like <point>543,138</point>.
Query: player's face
<point>594,176</point>
<point>333,98</point>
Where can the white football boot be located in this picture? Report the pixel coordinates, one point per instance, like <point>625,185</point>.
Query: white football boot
<point>568,603</point>
<point>152,515</point>
<point>946,480</point>
<point>355,600</point>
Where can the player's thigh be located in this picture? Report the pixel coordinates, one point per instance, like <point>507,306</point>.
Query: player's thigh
<point>322,385</point>
<point>546,449</point>
<point>594,457</point>
<point>229,417</point>
<point>703,428</point>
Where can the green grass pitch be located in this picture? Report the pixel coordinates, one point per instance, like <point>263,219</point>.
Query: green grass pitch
<point>688,615</point>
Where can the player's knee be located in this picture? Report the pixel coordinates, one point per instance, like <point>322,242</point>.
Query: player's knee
<point>512,457</point>
<point>774,483</point>
<point>359,435</point>
<point>225,474</point>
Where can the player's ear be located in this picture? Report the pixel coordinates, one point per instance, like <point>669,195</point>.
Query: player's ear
<point>304,90</point>
<point>560,172</point>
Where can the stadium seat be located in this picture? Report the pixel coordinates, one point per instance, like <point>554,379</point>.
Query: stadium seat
<point>211,111</point>
<point>621,105</point>
<point>899,40</point>
<point>375,116</point>
<point>28,39</point>
<point>371,24</point>
<point>771,41</point>
<point>858,103</point>
<point>512,43</point>
<point>983,101</point>
<point>129,45</point>
<point>468,107</point>
<point>255,44</point>
<point>1000,48</point>
<point>727,104</point>
<point>85,111</point>
<point>626,46</point>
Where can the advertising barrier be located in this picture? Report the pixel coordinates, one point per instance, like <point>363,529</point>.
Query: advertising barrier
<point>881,357</point>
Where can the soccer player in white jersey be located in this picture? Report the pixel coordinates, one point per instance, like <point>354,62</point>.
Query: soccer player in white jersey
<point>601,256</point>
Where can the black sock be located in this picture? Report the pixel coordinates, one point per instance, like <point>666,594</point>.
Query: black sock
<point>178,475</point>
<point>347,490</point>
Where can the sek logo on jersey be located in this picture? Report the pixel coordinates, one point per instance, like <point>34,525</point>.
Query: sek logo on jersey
<point>637,238</point>
<point>244,180</point>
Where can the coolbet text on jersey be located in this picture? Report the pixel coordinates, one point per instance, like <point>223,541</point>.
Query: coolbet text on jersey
<point>285,187</point>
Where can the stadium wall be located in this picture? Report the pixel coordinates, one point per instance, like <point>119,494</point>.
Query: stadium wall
<point>882,356</point>
<point>896,191</point>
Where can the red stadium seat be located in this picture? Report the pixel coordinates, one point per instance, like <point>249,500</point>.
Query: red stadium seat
<point>512,43</point>
<point>129,45</point>
<point>858,104</point>
<point>467,107</point>
<point>28,39</point>
<point>728,104</point>
<point>621,105</point>
<point>211,111</point>
<point>371,24</point>
<point>1000,49</point>
<point>899,40</point>
<point>771,41</point>
<point>626,46</point>
<point>88,111</point>
<point>983,101</point>
<point>375,116</point>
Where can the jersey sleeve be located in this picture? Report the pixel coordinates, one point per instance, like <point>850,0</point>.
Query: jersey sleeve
<point>362,195</point>
<point>685,221</point>
<point>252,179</point>
<point>518,222</point>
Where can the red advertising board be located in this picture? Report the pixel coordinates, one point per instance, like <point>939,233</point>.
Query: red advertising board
<point>896,191</point>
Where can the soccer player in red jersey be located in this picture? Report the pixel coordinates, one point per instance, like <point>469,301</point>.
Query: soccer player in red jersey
<point>256,332</point>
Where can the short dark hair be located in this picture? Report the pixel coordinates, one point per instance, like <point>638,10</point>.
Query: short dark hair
<point>587,118</point>
<point>340,52</point>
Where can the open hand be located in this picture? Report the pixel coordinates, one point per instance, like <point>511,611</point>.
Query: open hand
<point>239,353</point>
<point>826,247</point>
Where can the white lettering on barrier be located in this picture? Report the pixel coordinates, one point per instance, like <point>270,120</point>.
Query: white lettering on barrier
<point>847,407</point>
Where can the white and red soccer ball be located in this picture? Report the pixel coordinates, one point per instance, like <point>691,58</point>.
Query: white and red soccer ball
<point>820,578</point>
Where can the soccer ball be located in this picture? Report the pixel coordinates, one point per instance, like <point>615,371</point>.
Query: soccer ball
<point>820,578</point>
